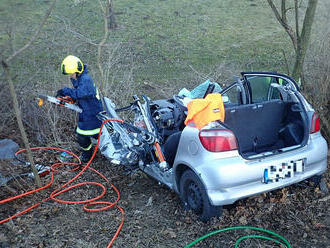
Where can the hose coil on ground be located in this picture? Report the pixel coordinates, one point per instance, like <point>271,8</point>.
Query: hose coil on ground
<point>272,236</point>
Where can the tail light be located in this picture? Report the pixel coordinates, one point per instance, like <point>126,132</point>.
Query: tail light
<point>315,125</point>
<point>218,140</point>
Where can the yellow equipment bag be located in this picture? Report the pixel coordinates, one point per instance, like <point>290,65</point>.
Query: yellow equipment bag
<point>203,111</point>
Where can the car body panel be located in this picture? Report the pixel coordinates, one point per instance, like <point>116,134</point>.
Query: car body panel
<point>232,175</point>
<point>228,177</point>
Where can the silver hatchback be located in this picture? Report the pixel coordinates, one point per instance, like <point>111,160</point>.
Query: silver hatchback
<point>270,138</point>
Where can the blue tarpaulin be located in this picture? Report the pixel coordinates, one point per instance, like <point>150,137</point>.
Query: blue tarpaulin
<point>8,148</point>
<point>199,91</point>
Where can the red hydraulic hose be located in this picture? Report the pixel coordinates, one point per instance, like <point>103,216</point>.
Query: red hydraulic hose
<point>65,187</point>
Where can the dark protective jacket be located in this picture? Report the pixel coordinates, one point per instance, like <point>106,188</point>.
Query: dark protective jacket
<point>86,95</point>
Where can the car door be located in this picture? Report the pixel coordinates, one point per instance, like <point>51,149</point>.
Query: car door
<point>235,94</point>
<point>265,86</point>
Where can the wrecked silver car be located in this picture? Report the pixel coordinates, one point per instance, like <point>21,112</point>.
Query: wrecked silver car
<point>270,138</point>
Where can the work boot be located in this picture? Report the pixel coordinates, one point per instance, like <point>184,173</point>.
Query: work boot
<point>86,156</point>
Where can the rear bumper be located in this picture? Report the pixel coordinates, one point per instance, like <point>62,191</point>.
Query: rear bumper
<point>229,179</point>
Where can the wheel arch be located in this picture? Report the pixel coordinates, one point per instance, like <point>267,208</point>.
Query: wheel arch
<point>179,170</point>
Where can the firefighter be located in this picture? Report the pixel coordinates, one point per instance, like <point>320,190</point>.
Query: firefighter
<point>86,95</point>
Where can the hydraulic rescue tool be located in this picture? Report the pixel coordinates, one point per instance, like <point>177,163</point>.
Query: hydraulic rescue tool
<point>62,101</point>
<point>158,151</point>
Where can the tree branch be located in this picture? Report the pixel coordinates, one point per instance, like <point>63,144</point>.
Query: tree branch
<point>283,21</point>
<point>101,44</point>
<point>14,96</point>
<point>283,10</point>
<point>33,37</point>
<point>20,122</point>
<point>112,20</point>
<point>308,19</point>
<point>297,18</point>
<point>286,62</point>
<point>304,39</point>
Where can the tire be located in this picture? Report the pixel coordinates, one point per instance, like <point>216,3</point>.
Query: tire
<point>194,197</point>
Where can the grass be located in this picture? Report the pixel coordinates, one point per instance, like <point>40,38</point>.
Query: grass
<point>177,41</point>
<point>200,34</point>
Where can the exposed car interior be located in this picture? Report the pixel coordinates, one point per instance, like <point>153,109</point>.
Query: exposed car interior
<point>258,109</point>
<point>271,120</point>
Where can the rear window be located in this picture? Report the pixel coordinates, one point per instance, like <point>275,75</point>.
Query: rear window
<point>261,89</point>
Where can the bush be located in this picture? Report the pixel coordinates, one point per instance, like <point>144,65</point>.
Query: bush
<point>317,81</point>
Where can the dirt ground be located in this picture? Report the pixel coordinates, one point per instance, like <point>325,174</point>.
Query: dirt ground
<point>153,214</point>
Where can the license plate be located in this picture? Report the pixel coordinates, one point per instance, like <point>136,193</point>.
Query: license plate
<point>275,173</point>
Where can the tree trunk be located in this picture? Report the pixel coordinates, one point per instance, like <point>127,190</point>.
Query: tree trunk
<point>14,96</point>
<point>112,20</point>
<point>20,122</point>
<point>303,39</point>
<point>298,64</point>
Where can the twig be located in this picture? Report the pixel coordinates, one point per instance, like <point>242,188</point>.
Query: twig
<point>99,48</point>
<point>10,189</point>
<point>14,96</point>
<point>283,21</point>
<point>324,199</point>
<point>198,73</point>
<point>286,62</point>
<point>20,122</point>
<point>33,37</point>
<point>296,17</point>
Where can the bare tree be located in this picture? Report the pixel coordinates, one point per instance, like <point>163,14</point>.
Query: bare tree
<point>5,65</point>
<point>300,37</point>
<point>109,23</point>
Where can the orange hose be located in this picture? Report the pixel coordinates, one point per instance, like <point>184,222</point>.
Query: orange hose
<point>64,188</point>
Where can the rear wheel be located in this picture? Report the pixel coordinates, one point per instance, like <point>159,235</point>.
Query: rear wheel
<point>194,197</point>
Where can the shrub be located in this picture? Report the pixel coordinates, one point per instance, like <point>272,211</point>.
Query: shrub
<point>317,81</point>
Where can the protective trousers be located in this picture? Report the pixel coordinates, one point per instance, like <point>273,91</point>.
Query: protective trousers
<point>85,144</point>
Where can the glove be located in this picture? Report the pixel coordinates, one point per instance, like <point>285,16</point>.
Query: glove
<point>60,93</point>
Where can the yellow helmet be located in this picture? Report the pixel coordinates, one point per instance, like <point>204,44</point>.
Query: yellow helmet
<point>71,64</point>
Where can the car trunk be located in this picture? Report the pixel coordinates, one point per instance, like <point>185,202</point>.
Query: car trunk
<point>266,128</point>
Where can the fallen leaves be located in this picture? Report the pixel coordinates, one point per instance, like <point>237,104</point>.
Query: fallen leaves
<point>149,203</point>
<point>188,220</point>
<point>170,233</point>
<point>242,220</point>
